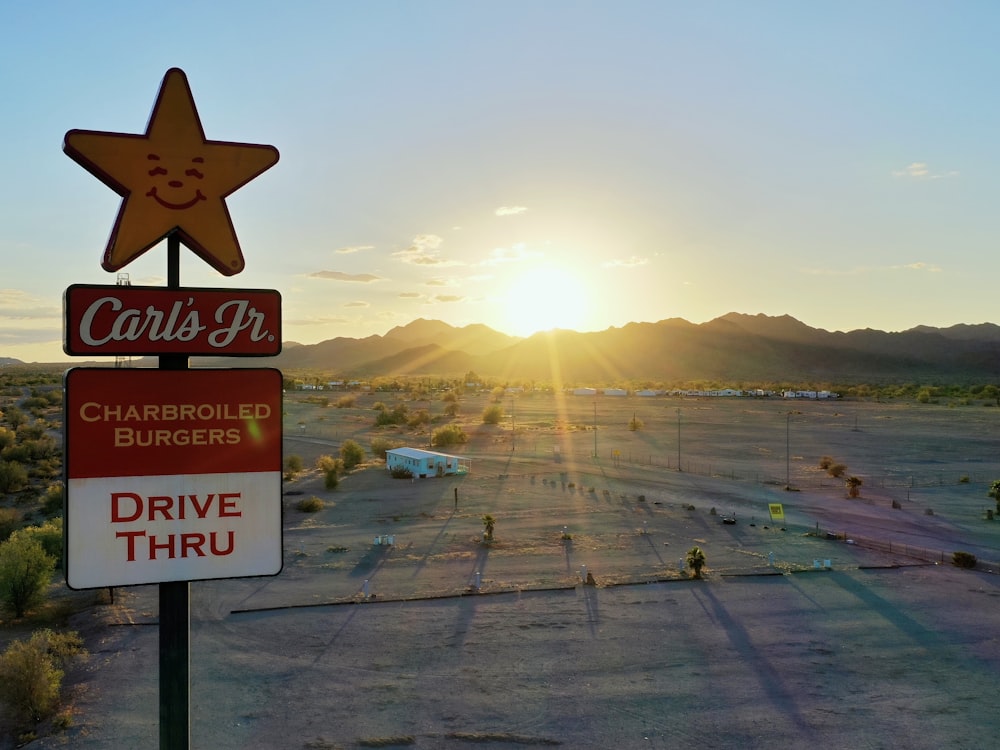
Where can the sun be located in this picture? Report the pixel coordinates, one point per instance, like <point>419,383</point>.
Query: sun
<point>545,298</point>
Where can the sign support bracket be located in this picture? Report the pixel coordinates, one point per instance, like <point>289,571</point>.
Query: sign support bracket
<point>175,601</point>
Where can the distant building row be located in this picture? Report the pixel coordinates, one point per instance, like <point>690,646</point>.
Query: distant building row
<point>718,393</point>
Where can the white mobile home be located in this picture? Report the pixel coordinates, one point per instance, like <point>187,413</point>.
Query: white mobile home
<point>422,463</point>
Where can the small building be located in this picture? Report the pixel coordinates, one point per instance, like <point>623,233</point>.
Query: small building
<point>423,463</point>
<point>584,391</point>
<point>615,392</point>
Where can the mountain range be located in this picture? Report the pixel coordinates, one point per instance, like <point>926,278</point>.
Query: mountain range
<point>730,350</point>
<point>734,348</point>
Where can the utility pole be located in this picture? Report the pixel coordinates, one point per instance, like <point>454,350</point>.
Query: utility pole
<point>678,439</point>
<point>788,454</point>
<point>595,429</point>
<point>513,432</point>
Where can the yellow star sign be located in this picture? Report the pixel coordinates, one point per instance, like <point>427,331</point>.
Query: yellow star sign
<point>171,179</point>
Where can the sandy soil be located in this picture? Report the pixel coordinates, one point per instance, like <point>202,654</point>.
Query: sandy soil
<point>875,648</point>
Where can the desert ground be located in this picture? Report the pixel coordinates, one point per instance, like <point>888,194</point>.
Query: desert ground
<point>845,626</point>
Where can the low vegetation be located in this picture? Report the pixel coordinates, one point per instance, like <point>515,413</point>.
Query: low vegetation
<point>31,675</point>
<point>448,435</point>
<point>695,560</point>
<point>963,559</point>
<point>310,505</point>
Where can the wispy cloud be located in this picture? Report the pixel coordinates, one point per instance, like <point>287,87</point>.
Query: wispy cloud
<point>364,278</point>
<point>317,321</point>
<point>514,254</point>
<point>16,304</point>
<point>353,249</point>
<point>423,251</point>
<point>409,295</point>
<point>918,266</point>
<point>631,262</point>
<point>448,298</point>
<point>510,210</point>
<point>357,303</point>
<point>919,170</point>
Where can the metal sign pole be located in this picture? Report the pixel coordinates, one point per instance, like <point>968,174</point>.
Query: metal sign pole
<point>175,604</point>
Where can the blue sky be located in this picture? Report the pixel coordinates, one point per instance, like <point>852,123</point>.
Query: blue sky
<point>530,165</point>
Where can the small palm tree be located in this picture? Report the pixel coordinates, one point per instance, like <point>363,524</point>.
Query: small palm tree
<point>854,486</point>
<point>489,523</point>
<point>696,560</point>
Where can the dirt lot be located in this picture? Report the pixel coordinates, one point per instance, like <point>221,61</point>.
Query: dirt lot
<point>461,644</point>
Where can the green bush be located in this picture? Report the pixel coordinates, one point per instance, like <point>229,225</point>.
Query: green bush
<point>49,535</point>
<point>352,454</point>
<point>13,476</point>
<point>309,505</point>
<point>963,559</point>
<point>450,434</point>
<point>10,521</point>
<point>418,418</point>
<point>293,465</point>
<point>493,414</point>
<point>400,472</point>
<point>331,478</point>
<point>31,674</point>
<point>380,445</point>
<point>25,572</point>
<point>52,500</point>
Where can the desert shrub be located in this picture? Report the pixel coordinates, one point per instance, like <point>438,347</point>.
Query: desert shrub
<point>825,462</point>
<point>379,445</point>
<point>13,476</point>
<point>49,535</point>
<point>31,674</point>
<point>25,572</point>
<point>397,415</point>
<point>995,492</point>
<point>293,465</point>
<point>635,424</point>
<point>345,402</point>
<point>400,472</point>
<point>492,414</point>
<point>10,521</point>
<point>7,437</point>
<point>309,505</point>
<point>352,454</point>
<point>331,479</point>
<point>450,434</point>
<point>452,409</point>
<point>14,417</point>
<point>836,470</point>
<point>326,462</point>
<point>450,397</point>
<point>52,500</point>
<point>964,479</point>
<point>695,560</point>
<point>963,559</point>
<point>418,418</point>
<point>853,486</point>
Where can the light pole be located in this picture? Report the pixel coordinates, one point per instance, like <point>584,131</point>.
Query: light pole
<point>595,429</point>
<point>513,432</point>
<point>788,455</point>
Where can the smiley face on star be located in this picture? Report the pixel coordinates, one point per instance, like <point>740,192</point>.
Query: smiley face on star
<point>177,183</point>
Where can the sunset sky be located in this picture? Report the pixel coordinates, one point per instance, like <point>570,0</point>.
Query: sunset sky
<point>530,165</point>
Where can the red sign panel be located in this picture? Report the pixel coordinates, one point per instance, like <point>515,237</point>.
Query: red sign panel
<point>172,475</point>
<point>145,320</point>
